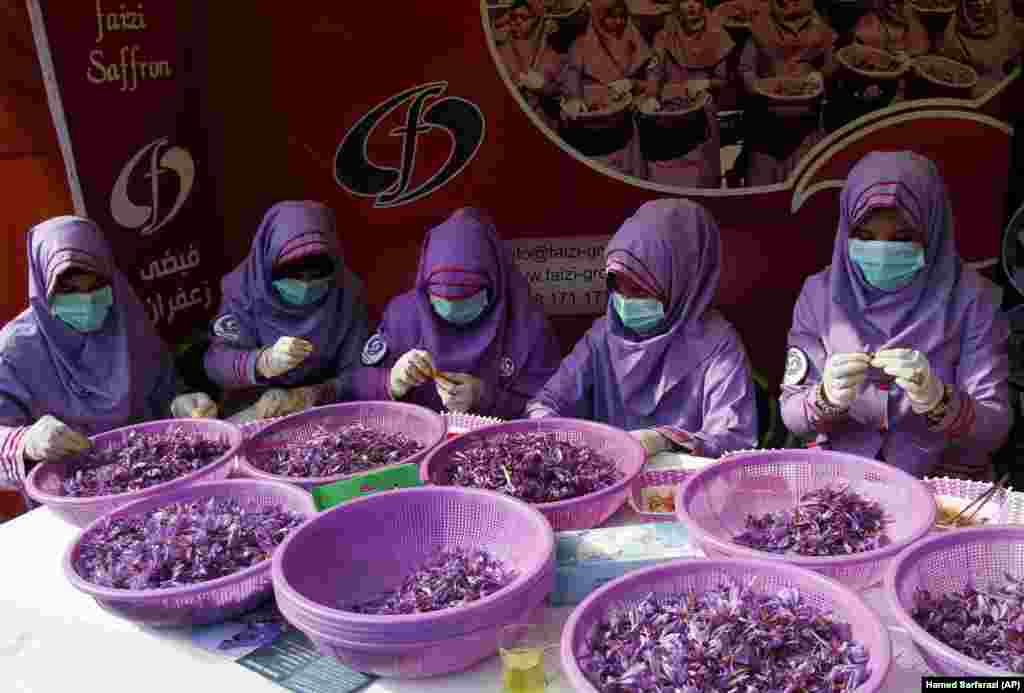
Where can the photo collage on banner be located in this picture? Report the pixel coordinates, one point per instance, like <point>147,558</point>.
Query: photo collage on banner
<point>705,94</point>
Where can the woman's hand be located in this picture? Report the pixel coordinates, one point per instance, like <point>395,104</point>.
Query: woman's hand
<point>50,440</point>
<point>844,378</point>
<point>462,394</point>
<point>913,375</point>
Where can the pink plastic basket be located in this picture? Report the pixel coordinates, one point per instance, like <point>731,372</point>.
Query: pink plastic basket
<point>418,423</point>
<point>203,603</point>
<point>714,504</point>
<point>663,477</point>
<point>45,483</point>
<point>584,512</point>
<point>700,574</point>
<point>337,558</point>
<point>948,562</point>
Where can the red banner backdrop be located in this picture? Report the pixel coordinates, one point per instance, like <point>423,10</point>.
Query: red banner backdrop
<point>395,114</point>
<point>123,84</point>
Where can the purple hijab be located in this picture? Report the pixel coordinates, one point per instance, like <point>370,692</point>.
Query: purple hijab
<point>94,380</point>
<point>460,257</point>
<point>921,313</point>
<point>291,231</point>
<point>672,248</point>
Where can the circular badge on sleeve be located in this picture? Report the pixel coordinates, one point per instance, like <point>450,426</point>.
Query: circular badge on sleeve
<point>796,366</point>
<point>227,327</point>
<point>374,350</point>
<point>508,367</point>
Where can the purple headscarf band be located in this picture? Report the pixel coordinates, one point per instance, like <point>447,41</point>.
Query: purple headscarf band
<point>641,275</point>
<point>70,258</point>
<point>293,229</point>
<point>887,194</point>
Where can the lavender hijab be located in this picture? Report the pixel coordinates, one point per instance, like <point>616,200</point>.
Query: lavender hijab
<point>867,319</point>
<point>460,257</point>
<point>672,249</point>
<point>291,231</point>
<point>93,381</point>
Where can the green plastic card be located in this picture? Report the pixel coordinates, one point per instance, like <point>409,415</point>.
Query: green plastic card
<point>402,476</point>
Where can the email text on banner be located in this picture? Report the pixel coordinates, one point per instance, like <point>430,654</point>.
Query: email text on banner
<point>566,275</point>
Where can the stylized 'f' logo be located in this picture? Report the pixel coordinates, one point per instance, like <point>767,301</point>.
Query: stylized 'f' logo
<point>162,160</point>
<point>462,120</point>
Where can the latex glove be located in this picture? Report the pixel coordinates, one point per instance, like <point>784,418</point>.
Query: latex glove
<point>575,107</point>
<point>412,370</point>
<point>913,375</point>
<point>652,441</point>
<point>844,377</point>
<point>696,86</point>
<point>464,395</point>
<point>532,80</point>
<point>539,413</point>
<point>650,105</point>
<point>621,88</point>
<point>286,354</point>
<point>50,440</point>
<point>280,402</point>
<point>194,405</point>
<point>816,78</point>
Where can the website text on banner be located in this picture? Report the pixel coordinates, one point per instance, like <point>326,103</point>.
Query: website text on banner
<point>566,274</point>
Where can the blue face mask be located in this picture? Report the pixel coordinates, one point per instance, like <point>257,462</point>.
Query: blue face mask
<point>460,312</point>
<point>84,312</point>
<point>301,293</point>
<point>887,265</point>
<point>642,315</point>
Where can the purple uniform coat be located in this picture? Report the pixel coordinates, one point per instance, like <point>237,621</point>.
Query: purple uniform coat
<point>691,380</point>
<point>120,375</point>
<point>949,313</point>
<point>511,347</point>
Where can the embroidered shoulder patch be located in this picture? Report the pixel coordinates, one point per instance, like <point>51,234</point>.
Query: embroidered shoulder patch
<point>374,350</point>
<point>227,327</point>
<point>508,367</point>
<point>796,366</point>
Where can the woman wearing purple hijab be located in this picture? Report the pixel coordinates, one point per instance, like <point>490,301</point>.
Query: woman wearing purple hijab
<point>898,352</point>
<point>662,363</point>
<point>292,317</point>
<point>82,358</point>
<point>471,318</point>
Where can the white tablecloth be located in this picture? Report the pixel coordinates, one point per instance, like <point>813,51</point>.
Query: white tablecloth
<point>53,639</point>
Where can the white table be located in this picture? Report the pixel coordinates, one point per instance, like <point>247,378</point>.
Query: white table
<point>53,639</point>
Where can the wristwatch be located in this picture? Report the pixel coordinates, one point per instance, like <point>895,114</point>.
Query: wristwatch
<point>938,412</point>
<point>828,409</point>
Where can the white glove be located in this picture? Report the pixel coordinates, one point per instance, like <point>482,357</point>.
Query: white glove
<point>194,405</point>
<point>280,402</point>
<point>463,396</point>
<point>844,378</point>
<point>816,78</point>
<point>286,354</point>
<point>575,107</point>
<point>50,440</point>
<point>913,375</point>
<point>538,412</point>
<point>650,105</point>
<point>621,88</point>
<point>696,86</point>
<point>412,370</point>
<point>652,441</point>
<point>532,80</point>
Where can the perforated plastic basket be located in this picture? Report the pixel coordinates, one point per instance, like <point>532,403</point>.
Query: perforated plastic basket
<point>584,512</point>
<point>714,504</point>
<point>338,558</point>
<point>208,602</point>
<point>701,574</point>
<point>45,483</point>
<point>418,423</point>
<point>948,562</point>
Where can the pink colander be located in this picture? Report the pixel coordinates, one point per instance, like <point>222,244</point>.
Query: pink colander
<point>584,512</point>
<point>948,562</point>
<point>45,483</point>
<point>704,574</point>
<point>205,602</point>
<point>715,501</point>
